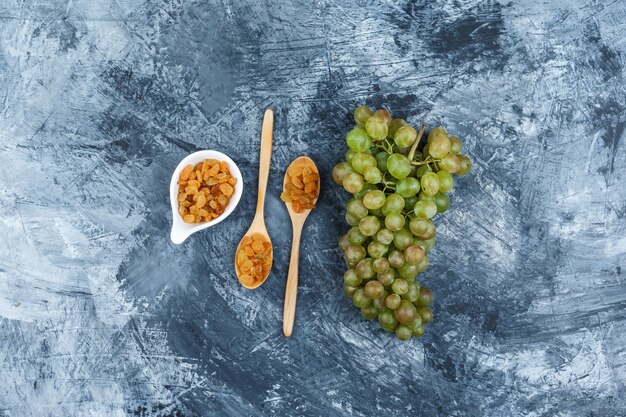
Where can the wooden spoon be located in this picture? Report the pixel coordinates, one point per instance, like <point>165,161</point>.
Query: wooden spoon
<point>258,223</point>
<point>297,222</point>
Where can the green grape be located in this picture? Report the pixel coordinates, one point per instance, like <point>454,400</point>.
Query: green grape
<point>340,171</point>
<point>374,200</point>
<point>379,302</point>
<point>425,297</point>
<point>381,265</point>
<point>361,300</point>
<point>357,209</point>
<point>408,271</point>
<point>351,278</point>
<point>367,187</point>
<point>394,221</point>
<point>418,331</point>
<point>378,213</point>
<point>354,253</point>
<point>381,161</point>
<point>349,290</point>
<point>396,259</point>
<point>400,286</point>
<point>349,155</point>
<point>384,236</point>
<point>369,313</point>
<point>403,332</point>
<point>423,197</point>
<point>353,183</point>
<point>423,265</point>
<point>408,187</point>
<point>425,313</point>
<point>394,126</point>
<point>405,313</point>
<point>361,114</point>
<point>361,161</point>
<point>344,242</point>
<point>409,202</point>
<point>369,225</point>
<point>436,132</point>
<point>446,182</point>
<point>376,127</point>
<point>405,152</point>
<point>393,301</point>
<point>412,294</point>
<point>426,244</point>
<point>430,183</point>
<point>389,329</point>
<point>384,114</point>
<point>373,175</point>
<point>358,140</point>
<point>465,165</point>
<point>402,239</point>
<point>442,201</point>
<point>417,322</point>
<point>421,170</point>
<point>455,144</point>
<point>365,268</point>
<point>394,203</point>
<point>398,165</point>
<point>376,249</point>
<point>450,163</point>
<point>405,136</point>
<point>425,209</point>
<point>439,146</point>
<point>355,236</point>
<point>387,319</point>
<point>386,278</point>
<point>414,254</point>
<point>351,220</point>
<point>374,289</point>
<point>422,228</point>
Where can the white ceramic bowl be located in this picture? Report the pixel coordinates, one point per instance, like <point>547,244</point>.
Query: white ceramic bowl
<point>182,230</point>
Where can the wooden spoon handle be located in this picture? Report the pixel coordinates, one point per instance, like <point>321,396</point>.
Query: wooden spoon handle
<point>291,291</point>
<point>264,160</point>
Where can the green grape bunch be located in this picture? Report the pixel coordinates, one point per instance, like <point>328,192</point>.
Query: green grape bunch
<point>398,184</point>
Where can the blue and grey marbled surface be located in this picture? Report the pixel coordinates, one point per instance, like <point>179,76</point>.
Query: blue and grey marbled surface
<point>102,316</point>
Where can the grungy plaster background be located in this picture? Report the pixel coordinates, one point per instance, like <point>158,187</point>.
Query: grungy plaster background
<point>102,316</point>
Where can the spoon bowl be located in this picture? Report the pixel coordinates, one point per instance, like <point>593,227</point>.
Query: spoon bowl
<point>297,223</point>
<point>255,228</point>
<point>181,230</point>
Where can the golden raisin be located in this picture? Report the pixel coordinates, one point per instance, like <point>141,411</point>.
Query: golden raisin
<point>227,189</point>
<point>214,170</point>
<point>246,279</point>
<point>184,174</point>
<point>297,183</point>
<point>294,171</point>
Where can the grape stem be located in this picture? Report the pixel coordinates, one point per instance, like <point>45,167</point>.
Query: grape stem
<point>417,141</point>
<point>384,145</point>
<point>426,161</point>
<point>388,184</point>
